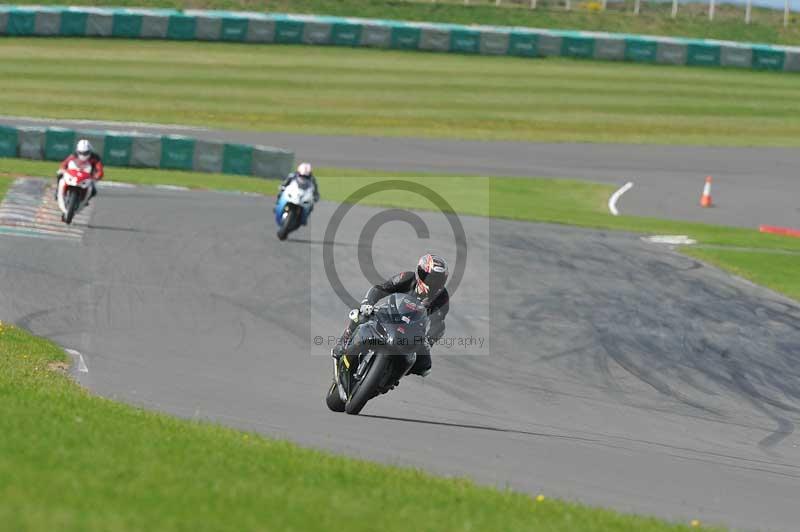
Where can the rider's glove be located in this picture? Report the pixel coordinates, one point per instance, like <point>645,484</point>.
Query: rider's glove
<point>366,309</point>
<point>429,342</point>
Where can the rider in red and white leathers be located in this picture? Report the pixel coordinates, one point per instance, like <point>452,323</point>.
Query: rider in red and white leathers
<point>85,158</point>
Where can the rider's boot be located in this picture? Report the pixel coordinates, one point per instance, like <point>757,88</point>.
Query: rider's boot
<point>93,194</point>
<point>422,366</point>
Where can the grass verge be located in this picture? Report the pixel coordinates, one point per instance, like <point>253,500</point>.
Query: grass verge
<point>343,91</point>
<point>73,461</point>
<point>654,18</point>
<point>777,271</point>
<point>771,260</point>
<point>5,182</point>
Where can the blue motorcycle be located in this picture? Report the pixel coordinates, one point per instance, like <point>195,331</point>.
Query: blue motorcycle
<point>293,207</point>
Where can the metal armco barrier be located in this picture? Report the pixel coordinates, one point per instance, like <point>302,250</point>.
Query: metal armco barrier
<point>322,30</point>
<point>147,151</point>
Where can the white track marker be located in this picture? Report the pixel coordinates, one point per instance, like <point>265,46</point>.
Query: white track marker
<point>612,201</point>
<point>81,363</point>
<point>114,184</point>
<point>172,187</point>
<point>672,240</point>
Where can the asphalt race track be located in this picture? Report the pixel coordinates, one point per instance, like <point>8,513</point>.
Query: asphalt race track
<point>752,186</point>
<point>620,372</point>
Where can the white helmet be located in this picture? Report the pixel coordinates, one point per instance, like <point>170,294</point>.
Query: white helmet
<point>304,169</point>
<point>84,149</point>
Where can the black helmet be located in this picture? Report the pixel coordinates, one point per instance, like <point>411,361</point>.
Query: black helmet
<point>431,276</point>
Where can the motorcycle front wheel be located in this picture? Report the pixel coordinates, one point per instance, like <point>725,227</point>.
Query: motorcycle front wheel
<point>287,223</point>
<point>333,400</point>
<point>368,387</point>
<point>71,203</point>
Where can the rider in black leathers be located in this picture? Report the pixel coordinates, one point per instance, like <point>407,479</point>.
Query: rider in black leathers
<point>427,283</point>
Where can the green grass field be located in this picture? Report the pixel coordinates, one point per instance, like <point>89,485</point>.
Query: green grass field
<point>5,182</point>
<point>654,19</point>
<point>771,260</point>
<point>388,93</point>
<point>73,461</point>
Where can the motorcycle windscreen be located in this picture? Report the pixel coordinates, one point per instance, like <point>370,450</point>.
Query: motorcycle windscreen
<point>400,308</point>
<point>303,184</point>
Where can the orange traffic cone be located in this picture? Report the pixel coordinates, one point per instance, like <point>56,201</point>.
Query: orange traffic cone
<point>705,199</point>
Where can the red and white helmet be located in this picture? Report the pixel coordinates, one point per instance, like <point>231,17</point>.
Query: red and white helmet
<point>84,150</point>
<point>432,273</point>
<point>304,169</point>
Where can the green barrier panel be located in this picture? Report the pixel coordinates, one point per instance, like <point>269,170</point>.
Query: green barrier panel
<point>573,46</point>
<point>523,44</point>
<point>288,31</point>
<point>640,51</point>
<point>703,55</point>
<point>768,59</point>
<point>126,25</point>
<point>58,144</point>
<point>117,150</point>
<point>73,24</point>
<point>177,153</point>
<point>465,41</point>
<point>234,29</point>
<point>237,159</point>
<point>21,23</point>
<point>8,141</point>
<point>346,34</point>
<point>181,27</point>
<point>405,37</point>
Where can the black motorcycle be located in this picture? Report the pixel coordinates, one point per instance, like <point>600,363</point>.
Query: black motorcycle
<point>381,351</point>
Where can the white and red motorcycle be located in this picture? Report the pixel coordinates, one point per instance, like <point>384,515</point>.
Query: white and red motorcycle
<point>74,189</point>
